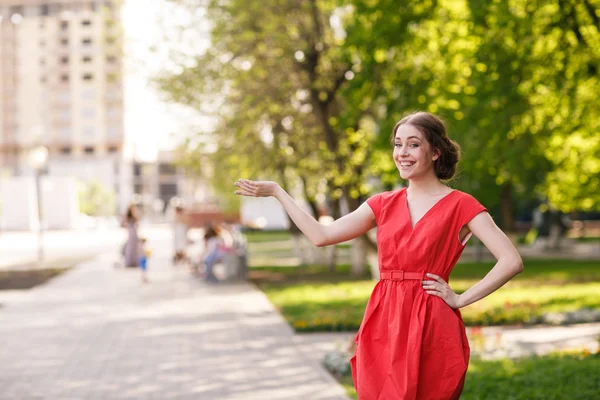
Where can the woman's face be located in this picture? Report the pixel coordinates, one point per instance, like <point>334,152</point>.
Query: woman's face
<point>413,154</point>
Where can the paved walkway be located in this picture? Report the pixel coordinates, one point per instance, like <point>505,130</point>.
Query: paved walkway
<point>99,333</point>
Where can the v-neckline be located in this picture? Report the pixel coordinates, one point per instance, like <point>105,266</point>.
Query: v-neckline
<point>412,227</point>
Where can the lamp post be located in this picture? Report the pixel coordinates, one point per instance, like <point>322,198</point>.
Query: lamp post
<point>38,157</point>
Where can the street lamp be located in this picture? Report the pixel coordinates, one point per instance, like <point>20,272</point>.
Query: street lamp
<point>37,158</point>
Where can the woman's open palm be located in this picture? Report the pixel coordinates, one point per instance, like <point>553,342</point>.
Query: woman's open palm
<point>256,188</point>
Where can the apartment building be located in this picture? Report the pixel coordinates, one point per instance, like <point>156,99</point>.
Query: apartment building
<point>61,85</point>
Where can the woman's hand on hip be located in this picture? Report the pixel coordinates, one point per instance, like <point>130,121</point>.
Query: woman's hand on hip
<point>256,188</point>
<point>439,287</point>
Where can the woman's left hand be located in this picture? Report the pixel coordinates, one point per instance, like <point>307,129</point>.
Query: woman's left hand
<point>439,287</point>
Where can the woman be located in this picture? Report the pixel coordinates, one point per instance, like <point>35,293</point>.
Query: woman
<point>130,251</point>
<point>212,253</point>
<point>412,342</point>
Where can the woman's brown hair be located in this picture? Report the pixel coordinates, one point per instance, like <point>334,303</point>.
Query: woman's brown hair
<point>434,130</point>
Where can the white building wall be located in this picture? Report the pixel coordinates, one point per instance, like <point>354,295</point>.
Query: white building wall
<point>18,204</point>
<point>60,202</point>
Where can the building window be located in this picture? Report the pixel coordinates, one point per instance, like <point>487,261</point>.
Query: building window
<point>88,150</point>
<point>113,112</point>
<point>89,131</point>
<point>64,42</point>
<point>54,8</point>
<point>111,59</point>
<point>64,60</point>
<point>166,169</point>
<point>87,59</point>
<point>87,77</point>
<point>65,116</point>
<point>42,43</point>
<point>42,61</point>
<point>64,78</point>
<point>86,22</point>
<point>43,79</point>
<point>113,95</point>
<point>65,150</point>
<point>112,150</point>
<point>167,190</point>
<point>44,11</point>
<point>65,133</point>
<point>64,25</point>
<point>88,94</point>
<point>86,41</point>
<point>113,132</point>
<point>16,10</point>
<point>88,113</point>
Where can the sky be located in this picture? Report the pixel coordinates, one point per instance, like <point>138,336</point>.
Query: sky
<point>151,123</point>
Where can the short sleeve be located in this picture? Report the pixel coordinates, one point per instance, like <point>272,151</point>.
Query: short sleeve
<point>375,203</point>
<point>469,208</point>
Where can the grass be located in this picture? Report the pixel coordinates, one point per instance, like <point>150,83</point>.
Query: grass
<point>267,236</point>
<point>588,239</point>
<point>264,237</point>
<point>556,376</point>
<point>314,299</point>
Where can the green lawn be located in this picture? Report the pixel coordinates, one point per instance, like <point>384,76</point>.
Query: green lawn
<point>267,236</point>
<point>573,377</point>
<point>313,299</point>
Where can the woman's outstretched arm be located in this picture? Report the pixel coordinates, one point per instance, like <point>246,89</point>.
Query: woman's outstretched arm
<point>348,227</point>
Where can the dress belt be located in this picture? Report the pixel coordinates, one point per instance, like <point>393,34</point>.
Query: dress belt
<point>398,275</point>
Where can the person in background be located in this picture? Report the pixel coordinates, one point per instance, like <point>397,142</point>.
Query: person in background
<point>144,253</point>
<point>130,250</point>
<point>212,252</point>
<point>180,236</point>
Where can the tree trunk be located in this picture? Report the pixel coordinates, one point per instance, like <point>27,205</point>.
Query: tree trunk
<point>506,208</point>
<point>359,256</point>
<point>331,255</point>
<point>360,245</point>
<point>478,250</point>
<point>372,254</point>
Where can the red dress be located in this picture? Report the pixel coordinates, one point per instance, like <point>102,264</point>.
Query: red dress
<point>412,345</point>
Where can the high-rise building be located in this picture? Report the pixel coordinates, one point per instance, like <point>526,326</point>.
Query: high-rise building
<point>61,85</point>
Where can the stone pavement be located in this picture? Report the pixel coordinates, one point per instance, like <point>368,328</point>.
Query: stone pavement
<point>97,332</point>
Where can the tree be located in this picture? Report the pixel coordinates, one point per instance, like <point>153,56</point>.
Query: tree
<point>96,200</point>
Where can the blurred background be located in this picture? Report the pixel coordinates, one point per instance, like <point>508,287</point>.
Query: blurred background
<point>166,103</point>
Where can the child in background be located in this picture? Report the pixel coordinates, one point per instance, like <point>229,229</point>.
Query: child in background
<point>144,253</point>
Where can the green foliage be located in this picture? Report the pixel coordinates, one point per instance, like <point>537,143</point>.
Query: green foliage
<point>267,236</point>
<point>312,91</point>
<point>556,376</point>
<point>550,377</point>
<point>96,200</point>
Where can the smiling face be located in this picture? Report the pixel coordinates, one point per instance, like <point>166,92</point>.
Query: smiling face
<point>413,155</point>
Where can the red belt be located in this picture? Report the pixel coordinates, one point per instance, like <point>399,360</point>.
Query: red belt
<point>401,275</point>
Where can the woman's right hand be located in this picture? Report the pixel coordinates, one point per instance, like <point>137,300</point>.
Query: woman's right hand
<point>256,188</point>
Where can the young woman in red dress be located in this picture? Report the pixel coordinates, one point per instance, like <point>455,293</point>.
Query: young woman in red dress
<point>412,342</point>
